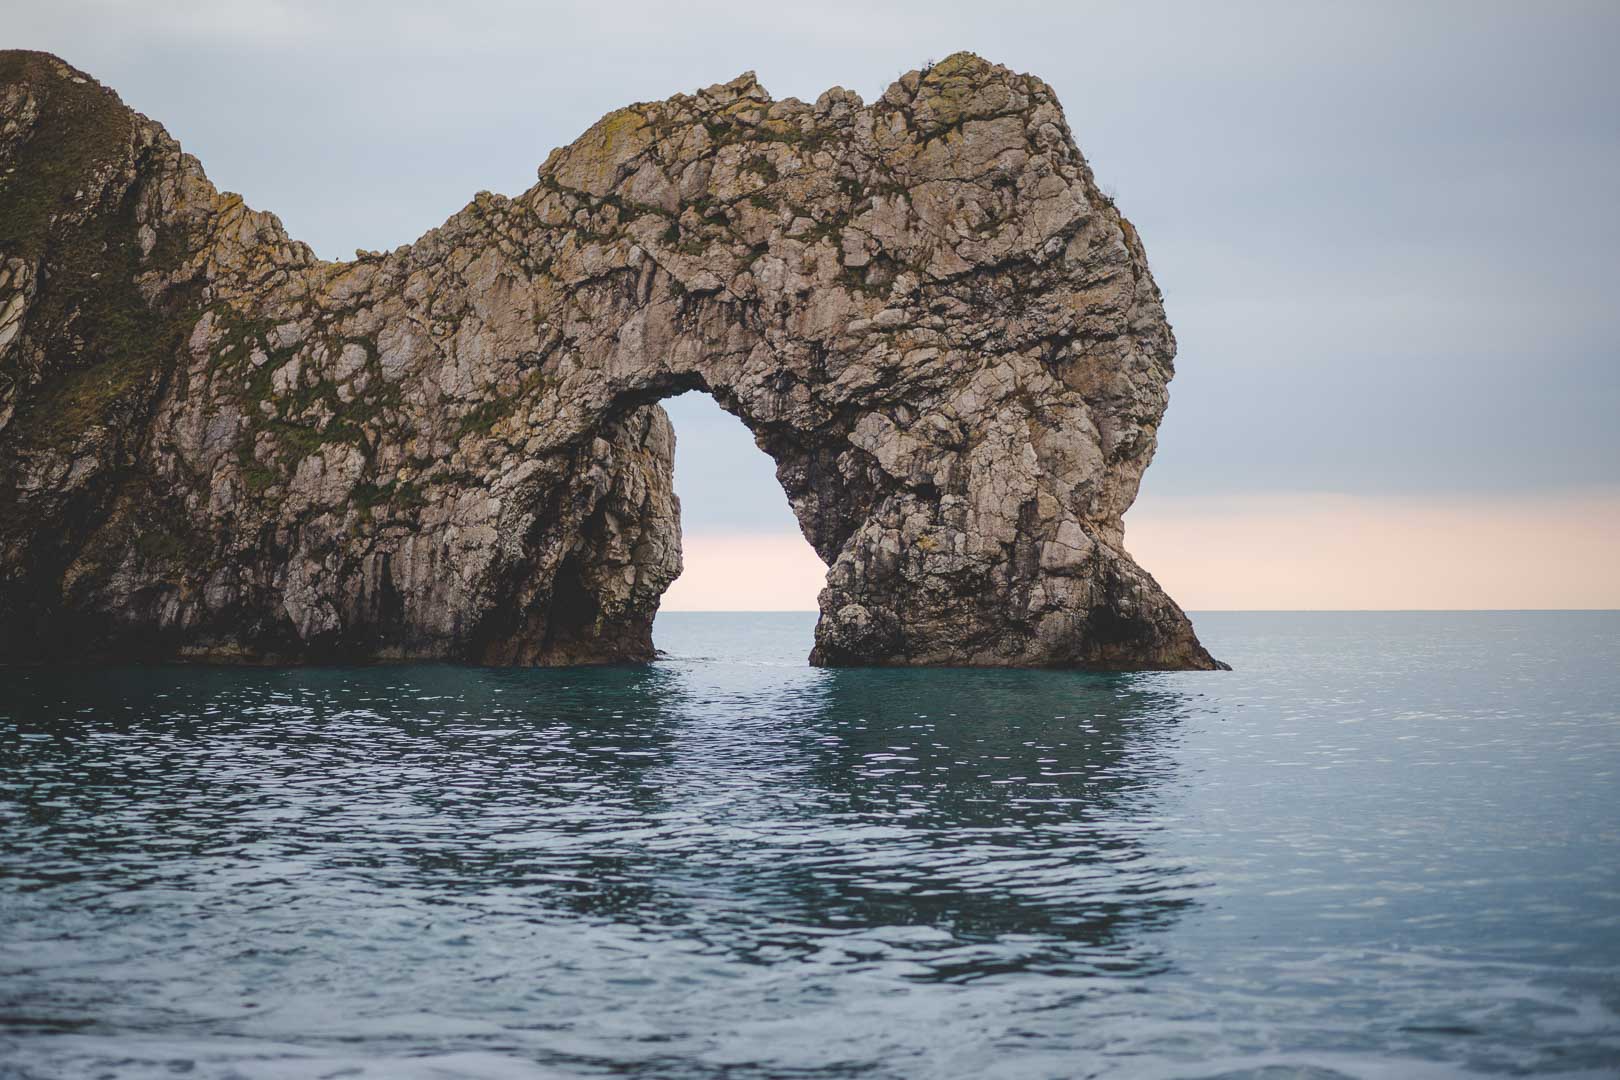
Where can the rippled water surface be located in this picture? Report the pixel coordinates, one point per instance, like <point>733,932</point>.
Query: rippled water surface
<point>1384,846</point>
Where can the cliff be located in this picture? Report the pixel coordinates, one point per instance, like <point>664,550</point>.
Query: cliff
<point>215,445</point>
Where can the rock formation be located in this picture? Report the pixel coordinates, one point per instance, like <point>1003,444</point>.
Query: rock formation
<point>214,445</point>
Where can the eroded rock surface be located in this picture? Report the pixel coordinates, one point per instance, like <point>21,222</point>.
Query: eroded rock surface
<point>215,445</point>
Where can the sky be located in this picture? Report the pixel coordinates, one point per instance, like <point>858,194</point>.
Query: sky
<point>1387,234</point>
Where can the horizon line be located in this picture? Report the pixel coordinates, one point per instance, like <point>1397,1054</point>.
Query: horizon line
<point>1224,611</point>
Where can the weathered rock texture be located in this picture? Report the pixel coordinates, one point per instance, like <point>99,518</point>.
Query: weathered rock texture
<point>215,445</point>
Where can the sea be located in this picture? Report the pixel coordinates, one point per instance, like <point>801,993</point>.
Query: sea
<point>1384,845</point>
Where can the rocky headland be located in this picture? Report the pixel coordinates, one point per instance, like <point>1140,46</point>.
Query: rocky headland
<point>214,445</point>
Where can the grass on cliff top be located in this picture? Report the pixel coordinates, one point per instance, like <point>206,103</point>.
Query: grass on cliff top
<point>104,345</point>
<point>80,129</point>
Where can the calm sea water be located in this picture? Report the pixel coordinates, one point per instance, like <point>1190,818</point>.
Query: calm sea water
<point>1383,846</point>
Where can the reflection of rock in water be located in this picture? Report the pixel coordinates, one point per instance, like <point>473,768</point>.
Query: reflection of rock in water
<point>1016,811</point>
<point>943,824</point>
<point>967,822</point>
<point>428,779</point>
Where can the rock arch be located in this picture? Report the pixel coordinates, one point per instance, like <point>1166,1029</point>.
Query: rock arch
<point>216,445</point>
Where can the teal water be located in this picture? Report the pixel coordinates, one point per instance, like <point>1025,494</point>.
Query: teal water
<point>1386,845</point>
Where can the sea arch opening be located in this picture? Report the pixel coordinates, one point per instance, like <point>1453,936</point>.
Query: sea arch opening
<point>742,547</point>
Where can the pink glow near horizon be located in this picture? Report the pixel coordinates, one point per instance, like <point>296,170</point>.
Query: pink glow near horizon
<point>746,572</point>
<point>1276,552</point>
<point>1339,552</point>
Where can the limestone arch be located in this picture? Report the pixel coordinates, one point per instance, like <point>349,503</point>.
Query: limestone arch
<point>931,318</point>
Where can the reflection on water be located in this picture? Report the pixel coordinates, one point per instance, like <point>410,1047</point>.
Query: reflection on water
<point>987,823</point>
<point>721,864</point>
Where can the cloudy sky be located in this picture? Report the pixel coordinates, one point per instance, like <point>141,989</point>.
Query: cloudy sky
<point>1388,237</point>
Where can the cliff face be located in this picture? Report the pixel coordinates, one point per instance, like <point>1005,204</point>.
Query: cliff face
<point>215,445</point>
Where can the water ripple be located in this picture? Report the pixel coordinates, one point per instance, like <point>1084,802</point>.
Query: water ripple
<point>1378,848</point>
